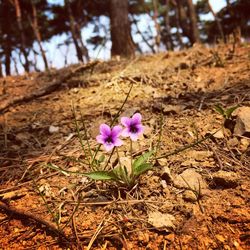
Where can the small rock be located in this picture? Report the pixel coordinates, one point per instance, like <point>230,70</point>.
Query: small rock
<point>188,195</point>
<point>242,126</point>
<point>75,90</point>
<point>173,109</point>
<point>190,179</point>
<point>53,129</point>
<point>167,207</point>
<point>164,184</point>
<point>161,221</point>
<point>166,175</point>
<point>226,179</point>
<point>200,155</point>
<point>219,134</point>
<point>244,144</point>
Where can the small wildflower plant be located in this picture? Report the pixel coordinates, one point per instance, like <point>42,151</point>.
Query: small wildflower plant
<point>226,113</point>
<point>110,139</point>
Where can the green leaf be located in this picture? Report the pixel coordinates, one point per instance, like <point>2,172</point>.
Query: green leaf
<point>54,167</point>
<point>229,111</point>
<point>219,109</point>
<point>121,173</point>
<point>142,168</point>
<point>101,175</point>
<point>142,159</point>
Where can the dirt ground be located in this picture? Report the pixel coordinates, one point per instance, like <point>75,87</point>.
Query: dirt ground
<point>195,199</point>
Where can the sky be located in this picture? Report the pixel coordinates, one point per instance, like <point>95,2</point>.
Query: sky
<point>56,54</point>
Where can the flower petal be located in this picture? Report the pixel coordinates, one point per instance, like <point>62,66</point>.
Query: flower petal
<point>108,146</point>
<point>100,139</point>
<point>125,121</point>
<point>125,132</point>
<point>140,129</point>
<point>136,118</point>
<point>134,136</point>
<point>118,142</point>
<point>116,131</point>
<point>105,129</point>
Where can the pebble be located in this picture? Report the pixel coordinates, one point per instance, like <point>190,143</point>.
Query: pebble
<point>226,179</point>
<point>189,195</point>
<point>190,179</point>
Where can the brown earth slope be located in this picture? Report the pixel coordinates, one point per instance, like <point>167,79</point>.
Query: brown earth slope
<point>196,199</point>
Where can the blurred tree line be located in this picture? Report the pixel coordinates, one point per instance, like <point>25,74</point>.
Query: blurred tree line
<point>177,24</point>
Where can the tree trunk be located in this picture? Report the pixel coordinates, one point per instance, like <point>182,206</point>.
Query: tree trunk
<point>1,70</point>
<point>23,38</point>
<point>169,42</point>
<point>83,47</point>
<point>122,43</point>
<point>81,50</point>
<point>178,26</point>
<point>73,32</point>
<point>157,26</point>
<point>37,33</point>
<point>7,60</point>
<point>182,20</point>
<point>193,22</point>
<point>5,35</point>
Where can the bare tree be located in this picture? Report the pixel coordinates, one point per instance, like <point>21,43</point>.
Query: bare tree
<point>35,27</point>
<point>1,70</point>
<point>6,37</point>
<point>81,50</point>
<point>122,43</point>
<point>193,22</point>
<point>169,42</point>
<point>16,4</point>
<point>157,26</point>
<point>181,21</point>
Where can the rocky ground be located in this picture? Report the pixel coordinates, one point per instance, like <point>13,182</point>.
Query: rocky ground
<point>197,198</point>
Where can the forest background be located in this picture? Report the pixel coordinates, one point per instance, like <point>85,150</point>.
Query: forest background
<point>41,34</point>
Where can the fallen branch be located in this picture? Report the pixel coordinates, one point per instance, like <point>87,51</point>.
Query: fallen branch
<point>49,88</point>
<point>24,214</point>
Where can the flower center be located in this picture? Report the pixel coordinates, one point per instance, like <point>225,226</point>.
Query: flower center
<point>109,140</point>
<point>133,129</point>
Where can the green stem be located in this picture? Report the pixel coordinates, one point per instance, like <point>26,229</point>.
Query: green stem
<point>131,158</point>
<point>79,135</point>
<point>109,158</point>
<point>160,134</point>
<point>187,146</point>
<point>86,135</point>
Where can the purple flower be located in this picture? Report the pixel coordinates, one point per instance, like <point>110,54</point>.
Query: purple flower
<point>133,126</point>
<point>109,137</point>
